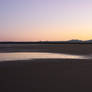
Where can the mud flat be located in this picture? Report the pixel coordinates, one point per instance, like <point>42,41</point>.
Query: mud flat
<point>55,48</point>
<point>46,75</point>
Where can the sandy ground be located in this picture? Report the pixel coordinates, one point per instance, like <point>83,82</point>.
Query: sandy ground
<point>55,48</point>
<point>46,75</point>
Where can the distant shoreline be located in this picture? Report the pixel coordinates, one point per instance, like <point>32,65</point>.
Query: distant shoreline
<point>45,42</point>
<point>48,42</point>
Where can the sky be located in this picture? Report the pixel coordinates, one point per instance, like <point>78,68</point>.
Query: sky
<point>45,20</point>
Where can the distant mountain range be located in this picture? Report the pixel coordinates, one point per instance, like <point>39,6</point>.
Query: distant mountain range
<point>79,41</point>
<point>51,42</point>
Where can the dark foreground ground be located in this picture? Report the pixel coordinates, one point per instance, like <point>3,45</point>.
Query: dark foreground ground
<point>46,76</point>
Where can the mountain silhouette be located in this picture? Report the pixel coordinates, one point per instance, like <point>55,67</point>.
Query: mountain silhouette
<point>50,42</point>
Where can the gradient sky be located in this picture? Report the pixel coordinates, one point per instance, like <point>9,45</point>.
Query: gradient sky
<point>42,20</point>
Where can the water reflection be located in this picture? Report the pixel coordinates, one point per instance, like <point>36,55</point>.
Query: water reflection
<point>37,55</point>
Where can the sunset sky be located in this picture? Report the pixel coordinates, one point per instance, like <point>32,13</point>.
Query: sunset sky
<point>42,20</point>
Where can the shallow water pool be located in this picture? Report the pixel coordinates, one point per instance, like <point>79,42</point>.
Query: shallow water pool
<point>37,55</point>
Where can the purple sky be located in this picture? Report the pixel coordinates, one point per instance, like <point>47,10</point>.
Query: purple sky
<point>34,20</point>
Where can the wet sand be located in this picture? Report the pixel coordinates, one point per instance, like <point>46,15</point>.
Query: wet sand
<point>55,48</point>
<point>46,75</point>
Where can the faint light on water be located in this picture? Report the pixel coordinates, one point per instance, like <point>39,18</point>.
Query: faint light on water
<point>37,55</point>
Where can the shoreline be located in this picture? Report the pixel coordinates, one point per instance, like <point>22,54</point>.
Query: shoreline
<point>47,75</point>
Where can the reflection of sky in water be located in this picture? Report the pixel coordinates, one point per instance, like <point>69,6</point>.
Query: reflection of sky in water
<point>36,55</point>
